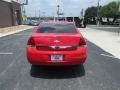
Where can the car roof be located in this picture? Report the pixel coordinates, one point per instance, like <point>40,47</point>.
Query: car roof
<point>58,22</point>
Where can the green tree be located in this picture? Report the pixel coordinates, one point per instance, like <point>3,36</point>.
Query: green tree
<point>110,11</point>
<point>91,12</point>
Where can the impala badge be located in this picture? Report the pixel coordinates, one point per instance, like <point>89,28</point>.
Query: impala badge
<point>56,41</point>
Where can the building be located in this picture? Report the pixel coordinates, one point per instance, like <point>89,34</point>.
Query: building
<point>10,13</point>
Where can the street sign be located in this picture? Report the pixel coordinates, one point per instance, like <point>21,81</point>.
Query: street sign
<point>23,2</point>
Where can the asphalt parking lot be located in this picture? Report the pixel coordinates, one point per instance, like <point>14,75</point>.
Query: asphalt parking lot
<point>98,73</point>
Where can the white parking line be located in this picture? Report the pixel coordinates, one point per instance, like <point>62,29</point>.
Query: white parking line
<point>108,55</point>
<point>6,53</point>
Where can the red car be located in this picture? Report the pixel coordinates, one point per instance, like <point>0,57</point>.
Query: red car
<point>56,43</point>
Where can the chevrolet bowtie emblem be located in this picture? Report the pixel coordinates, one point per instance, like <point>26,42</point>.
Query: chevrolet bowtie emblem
<point>56,41</point>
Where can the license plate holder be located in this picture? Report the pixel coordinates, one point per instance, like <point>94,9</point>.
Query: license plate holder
<point>56,57</point>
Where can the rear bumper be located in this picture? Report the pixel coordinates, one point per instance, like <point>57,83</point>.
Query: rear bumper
<point>73,57</point>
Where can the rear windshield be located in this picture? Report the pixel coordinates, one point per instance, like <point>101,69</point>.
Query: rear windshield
<point>57,28</point>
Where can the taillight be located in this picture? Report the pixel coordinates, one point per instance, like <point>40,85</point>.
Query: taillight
<point>82,42</point>
<point>31,42</point>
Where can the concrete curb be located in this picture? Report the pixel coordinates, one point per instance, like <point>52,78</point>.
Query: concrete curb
<point>10,33</point>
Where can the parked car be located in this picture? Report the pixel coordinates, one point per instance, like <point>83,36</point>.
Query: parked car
<point>56,43</point>
<point>39,22</point>
<point>33,22</point>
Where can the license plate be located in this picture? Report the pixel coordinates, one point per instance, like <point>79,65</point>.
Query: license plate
<point>56,57</point>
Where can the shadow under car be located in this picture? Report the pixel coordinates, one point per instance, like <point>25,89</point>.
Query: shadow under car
<point>55,72</point>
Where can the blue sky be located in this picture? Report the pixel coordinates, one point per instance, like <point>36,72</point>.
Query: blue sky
<point>68,7</point>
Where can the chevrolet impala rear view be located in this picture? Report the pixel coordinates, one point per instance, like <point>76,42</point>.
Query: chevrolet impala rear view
<point>56,43</point>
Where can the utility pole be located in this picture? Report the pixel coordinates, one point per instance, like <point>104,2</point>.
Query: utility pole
<point>22,7</point>
<point>118,6</point>
<point>39,14</point>
<point>118,14</point>
<point>35,13</point>
<point>58,11</point>
<point>23,4</point>
<point>98,16</point>
<point>44,16</point>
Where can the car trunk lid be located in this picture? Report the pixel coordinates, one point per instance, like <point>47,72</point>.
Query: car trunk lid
<point>57,41</point>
